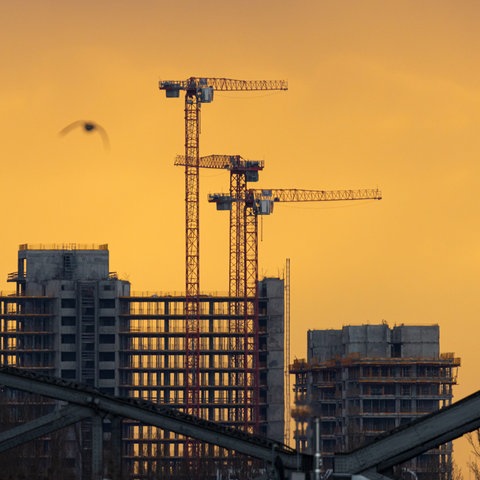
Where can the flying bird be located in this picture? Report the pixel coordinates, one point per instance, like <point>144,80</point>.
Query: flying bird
<point>88,127</point>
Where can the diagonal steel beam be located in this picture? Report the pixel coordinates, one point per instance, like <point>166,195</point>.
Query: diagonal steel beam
<point>413,439</point>
<point>44,425</point>
<point>156,415</point>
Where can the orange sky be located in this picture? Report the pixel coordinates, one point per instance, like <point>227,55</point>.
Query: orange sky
<point>381,94</point>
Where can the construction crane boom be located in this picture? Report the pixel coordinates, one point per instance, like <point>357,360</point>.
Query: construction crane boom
<point>262,199</point>
<point>297,195</point>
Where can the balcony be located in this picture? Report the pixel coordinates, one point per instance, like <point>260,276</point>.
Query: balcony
<point>16,277</point>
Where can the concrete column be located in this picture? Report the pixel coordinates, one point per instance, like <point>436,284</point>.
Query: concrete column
<point>97,447</point>
<point>116,443</point>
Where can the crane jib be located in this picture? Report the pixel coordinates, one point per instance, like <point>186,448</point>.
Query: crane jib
<point>205,86</point>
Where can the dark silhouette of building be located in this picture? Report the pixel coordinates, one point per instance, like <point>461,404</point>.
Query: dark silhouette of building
<point>71,317</point>
<point>362,381</point>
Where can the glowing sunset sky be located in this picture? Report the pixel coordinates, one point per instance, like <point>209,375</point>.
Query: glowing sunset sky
<point>381,94</point>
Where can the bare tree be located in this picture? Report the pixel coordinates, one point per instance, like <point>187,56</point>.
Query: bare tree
<point>473,465</point>
<point>456,472</point>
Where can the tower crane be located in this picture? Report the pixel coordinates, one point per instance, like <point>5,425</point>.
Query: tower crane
<point>241,171</point>
<point>199,90</point>
<point>252,203</point>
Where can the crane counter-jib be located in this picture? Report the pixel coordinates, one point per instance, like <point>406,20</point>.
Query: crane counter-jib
<point>233,163</point>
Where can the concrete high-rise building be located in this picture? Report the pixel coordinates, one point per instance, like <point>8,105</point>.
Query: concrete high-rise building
<point>361,381</point>
<point>66,309</point>
<point>71,317</point>
<point>231,366</point>
<point>62,320</point>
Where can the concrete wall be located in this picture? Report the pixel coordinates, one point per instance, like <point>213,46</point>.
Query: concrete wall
<point>417,341</point>
<point>367,340</point>
<point>374,341</point>
<point>39,266</point>
<point>273,289</point>
<point>323,345</point>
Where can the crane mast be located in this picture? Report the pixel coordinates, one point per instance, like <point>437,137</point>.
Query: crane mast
<point>199,90</point>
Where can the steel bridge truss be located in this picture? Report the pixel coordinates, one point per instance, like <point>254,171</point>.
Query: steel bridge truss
<point>372,461</point>
<point>84,402</point>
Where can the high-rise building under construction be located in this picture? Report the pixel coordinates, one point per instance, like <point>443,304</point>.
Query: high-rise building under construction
<point>71,317</point>
<point>361,381</point>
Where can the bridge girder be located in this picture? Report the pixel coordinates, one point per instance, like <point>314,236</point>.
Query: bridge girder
<point>91,400</point>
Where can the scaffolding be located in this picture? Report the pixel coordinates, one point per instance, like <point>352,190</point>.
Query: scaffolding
<point>153,346</point>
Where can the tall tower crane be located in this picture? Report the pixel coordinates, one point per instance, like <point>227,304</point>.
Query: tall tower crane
<point>197,91</point>
<point>241,171</point>
<point>255,202</point>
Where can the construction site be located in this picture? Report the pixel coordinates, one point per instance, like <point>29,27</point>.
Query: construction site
<point>362,381</point>
<point>72,318</point>
<point>223,358</point>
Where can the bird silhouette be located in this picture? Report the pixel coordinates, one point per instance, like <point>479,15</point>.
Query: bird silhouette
<point>89,127</point>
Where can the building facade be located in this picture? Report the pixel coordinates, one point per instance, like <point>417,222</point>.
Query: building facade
<point>71,317</point>
<point>361,381</point>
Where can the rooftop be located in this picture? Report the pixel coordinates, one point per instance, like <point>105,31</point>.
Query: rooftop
<point>63,246</point>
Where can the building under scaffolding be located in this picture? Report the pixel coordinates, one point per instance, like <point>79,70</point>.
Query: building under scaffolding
<point>361,381</point>
<point>73,318</point>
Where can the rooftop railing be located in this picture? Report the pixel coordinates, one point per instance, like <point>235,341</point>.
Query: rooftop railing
<point>63,246</point>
